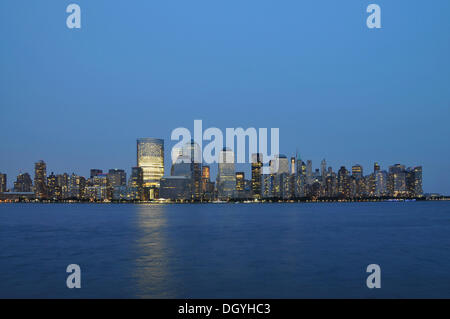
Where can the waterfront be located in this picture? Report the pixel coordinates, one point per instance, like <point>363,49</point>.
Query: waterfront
<point>317,250</point>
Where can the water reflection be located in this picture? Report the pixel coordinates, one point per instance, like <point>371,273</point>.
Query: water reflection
<point>153,253</point>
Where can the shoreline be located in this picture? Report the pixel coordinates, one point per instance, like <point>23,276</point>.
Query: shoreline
<point>305,201</point>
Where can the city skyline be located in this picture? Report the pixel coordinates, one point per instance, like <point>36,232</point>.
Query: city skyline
<point>165,168</point>
<point>283,179</point>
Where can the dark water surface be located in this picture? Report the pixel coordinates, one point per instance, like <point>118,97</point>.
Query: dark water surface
<point>225,250</point>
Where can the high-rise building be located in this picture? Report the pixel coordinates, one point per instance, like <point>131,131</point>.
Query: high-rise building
<point>23,183</point>
<point>95,172</point>
<point>343,182</point>
<point>357,171</point>
<point>293,170</point>
<point>206,176</point>
<point>301,168</point>
<point>309,172</point>
<point>3,183</point>
<point>77,185</point>
<point>117,177</point>
<point>397,180</point>
<point>207,185</point>
<point>376,167</point>
<point>226,178</point>
<point>279,164</point>
<point>150,157</point>
<point>63,182</point>
<point>414,181</point>
<point>257,164</point>
<point>240,181</point>
<point>300,184</point>
<point>381,180</point>
<point>53,189</point>
<point>323,169</point>
<point>40,180</point>
<point>136,184</point>
<point>331,187</point>
<point>192,151</point>
<point>176,152</point>
<point>267,185</point>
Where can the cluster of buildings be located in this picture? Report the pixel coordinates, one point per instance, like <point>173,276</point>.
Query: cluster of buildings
<point>190,180</point>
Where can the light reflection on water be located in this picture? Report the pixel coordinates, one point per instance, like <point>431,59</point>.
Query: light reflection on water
<point>152,250</point>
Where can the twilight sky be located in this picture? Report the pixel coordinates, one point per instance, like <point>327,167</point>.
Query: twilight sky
<point>78,99</point>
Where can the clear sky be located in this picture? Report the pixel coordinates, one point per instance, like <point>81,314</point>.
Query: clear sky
<point>78,99</point>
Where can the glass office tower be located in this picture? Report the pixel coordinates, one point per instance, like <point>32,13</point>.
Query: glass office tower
<point>150,157</point>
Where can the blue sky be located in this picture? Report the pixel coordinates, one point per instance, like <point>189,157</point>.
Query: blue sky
<point>78,99</point>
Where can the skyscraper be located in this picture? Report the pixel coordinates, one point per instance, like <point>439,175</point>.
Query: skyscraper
<point>323,170</point>
<point>240,181</point>
<point>77,185</point>
<point>397,180</point>
<point>279,165</point>
<point>357,171</point>
<point>136,184</point>
<point>95,172</point>
<point>226,178</point>
<point>2,183</point>
<point>53,189</point>
<point>117,177</point>
<point>207,185</point>
<point>257,163</point>
<point>192,151</point>
<point>380,183</point>
<point>309,172</point>
<point>376,167</point>
<point>23,183</point>
<point>343,182</point>
<point>40,180</point>
<point>414,181</point>
<point>293,170</point>
<point>150,157</point>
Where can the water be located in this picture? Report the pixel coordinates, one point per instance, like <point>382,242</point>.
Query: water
<point>225,250</point>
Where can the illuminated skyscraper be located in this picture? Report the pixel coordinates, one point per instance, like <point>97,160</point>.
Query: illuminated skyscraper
<point>64,185</point>
<point>240,181</point>
<point>95,172</point>
<point>397,180</point>
<point>376,167</point>
<point>301,168</point>
<point>357,171</point>
<point>53,189</point>
<point>150,157</point>
<point>136,184</point>
<point>40,180</point>
<point>226,178</point>
<point>77,185</point>
<point>257,163</point>
<point>293,170</point>
<point>414,181</point>
<point>23,183</point>
<point>205,177</point>
<point>117,177</point>
<point>380,183</point>
<point>343,182</point>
